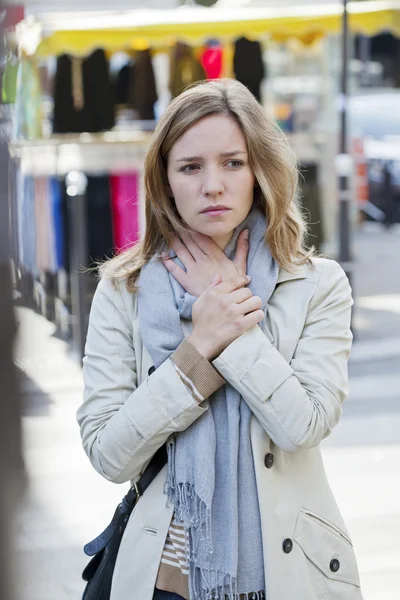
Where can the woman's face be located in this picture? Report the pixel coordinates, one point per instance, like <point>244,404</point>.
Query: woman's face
<point>209,167</point>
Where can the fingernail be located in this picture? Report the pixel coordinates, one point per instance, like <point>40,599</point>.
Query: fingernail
<point>246,234</point>
<point>248,277</point>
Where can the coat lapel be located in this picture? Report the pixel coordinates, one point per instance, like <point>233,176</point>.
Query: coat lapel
<point>301,272</point>
<point>283,275</point>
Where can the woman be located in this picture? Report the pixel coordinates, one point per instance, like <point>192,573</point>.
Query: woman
<point>221,336</point>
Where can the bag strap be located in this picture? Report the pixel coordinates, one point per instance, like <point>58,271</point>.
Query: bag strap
<point>153,468</point>
<point>126,506</point>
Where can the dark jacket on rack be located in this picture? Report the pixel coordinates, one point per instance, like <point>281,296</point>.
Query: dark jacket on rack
<point>124,82</point>
<point>185,68</point>
<point>143,86</point>
<point>83,94</point>
<point>248,65</point>
<point>136,86</point>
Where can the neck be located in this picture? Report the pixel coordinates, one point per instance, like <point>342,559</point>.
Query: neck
<point>222,240</point>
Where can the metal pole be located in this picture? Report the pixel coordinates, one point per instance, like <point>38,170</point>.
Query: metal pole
<point>344,163</point>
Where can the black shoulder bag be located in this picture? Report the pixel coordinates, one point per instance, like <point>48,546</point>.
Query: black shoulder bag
<point>104,549</point>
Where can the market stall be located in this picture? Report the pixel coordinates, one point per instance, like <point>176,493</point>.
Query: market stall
<point>79,33</point>
<point>296,48</point>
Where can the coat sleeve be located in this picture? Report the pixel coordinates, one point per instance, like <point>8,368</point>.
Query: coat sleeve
<point>123,424</point>
<point>298,404</point>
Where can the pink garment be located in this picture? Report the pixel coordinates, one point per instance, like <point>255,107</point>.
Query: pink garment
<point>125,209</point>
<point>211,59</point>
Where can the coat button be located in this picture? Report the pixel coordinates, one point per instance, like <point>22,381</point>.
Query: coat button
<point>151,370</point>
<point>334,565</point>
<point>287,545</point>
<point>269,460</point>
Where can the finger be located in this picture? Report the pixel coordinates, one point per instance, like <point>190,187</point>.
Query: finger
<point>250,305</point>
<point>252,319</point>
<point>242,251</point>
<point>176,271</point>
<point>192,246</point>
<point>182,252</point>
<point>234,283</point>
<point>239,296</point>
<point>216,280</point>
<point>207,245</point>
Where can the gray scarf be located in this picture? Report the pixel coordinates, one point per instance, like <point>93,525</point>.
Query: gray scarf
<point>211,479</point>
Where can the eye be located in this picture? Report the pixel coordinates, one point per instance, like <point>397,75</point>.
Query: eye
<point>189,168</point>
<point>234,164</point>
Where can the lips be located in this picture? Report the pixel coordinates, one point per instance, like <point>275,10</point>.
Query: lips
<point>218,207</point>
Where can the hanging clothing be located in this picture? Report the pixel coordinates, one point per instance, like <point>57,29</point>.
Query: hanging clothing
<point>58,218</point>
<point>125,81</point>
<point>27,230</point>
<point>125,209</point>
<point>185,68</point>
<point>66,224</point>
<point>212,60</point>
<point>143,91</point>
<point>248,65</point>
<point>28,103</point>
<point>99,218</point>
<point>83,94</point>
<point>9,83</point>
<point>135,86</point>
<point>45,238</point>
<point>14,183</point>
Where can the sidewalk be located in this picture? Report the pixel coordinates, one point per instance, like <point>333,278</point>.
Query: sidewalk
<point>68,503</point>
<point>362,455</point>
<point>377,284</point>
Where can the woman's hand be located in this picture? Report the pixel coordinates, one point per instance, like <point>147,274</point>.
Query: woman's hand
<point>203,259</point>
<point>223,313</point>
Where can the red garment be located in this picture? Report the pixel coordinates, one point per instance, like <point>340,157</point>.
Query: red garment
<point>211,59</point>
<point>125,209</point>
<point>13,15</point>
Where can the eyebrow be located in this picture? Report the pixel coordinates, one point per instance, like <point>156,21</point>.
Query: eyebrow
<point>222,155</point>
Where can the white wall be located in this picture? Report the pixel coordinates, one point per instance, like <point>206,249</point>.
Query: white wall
<point>37,7</point>
<point>269,3</point>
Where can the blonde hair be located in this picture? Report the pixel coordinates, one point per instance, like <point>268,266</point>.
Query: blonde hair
<point>270,157</point>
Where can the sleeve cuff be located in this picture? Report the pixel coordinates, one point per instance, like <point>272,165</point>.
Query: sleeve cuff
<point>197,372</point>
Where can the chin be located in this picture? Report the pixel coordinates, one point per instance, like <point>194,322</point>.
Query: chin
<point>215,229</point>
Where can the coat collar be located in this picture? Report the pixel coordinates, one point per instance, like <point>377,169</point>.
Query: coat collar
<point>301,272</point>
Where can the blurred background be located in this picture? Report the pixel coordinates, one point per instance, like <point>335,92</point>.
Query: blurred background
<point>82,87</point>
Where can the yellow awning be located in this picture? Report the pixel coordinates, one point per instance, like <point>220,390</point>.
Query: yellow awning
<point>80,33</point>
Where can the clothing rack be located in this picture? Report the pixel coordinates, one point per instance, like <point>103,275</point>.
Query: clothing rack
<point>73,158</point>
<point>90,153</point>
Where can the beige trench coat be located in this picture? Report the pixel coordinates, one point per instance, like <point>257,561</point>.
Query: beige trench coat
<point>293,375</point>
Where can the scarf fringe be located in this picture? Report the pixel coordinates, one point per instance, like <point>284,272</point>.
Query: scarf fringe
<point>193,513</point>
<point>190,509</point>
<point>217,590</point>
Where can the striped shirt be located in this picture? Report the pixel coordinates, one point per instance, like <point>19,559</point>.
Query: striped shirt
<point>175,547</point>
<point>202,380</point>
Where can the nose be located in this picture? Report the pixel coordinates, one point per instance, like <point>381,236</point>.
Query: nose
<point>212,184</point>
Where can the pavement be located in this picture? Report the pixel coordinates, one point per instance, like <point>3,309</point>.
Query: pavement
<point>67,503</point>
